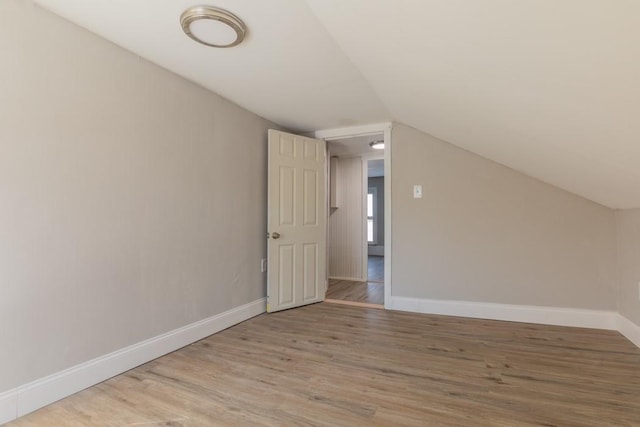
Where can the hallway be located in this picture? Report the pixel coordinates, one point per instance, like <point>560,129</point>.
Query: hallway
<point>369,293</point>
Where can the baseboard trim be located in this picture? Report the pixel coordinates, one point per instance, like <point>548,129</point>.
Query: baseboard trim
<point>37,394</point>
<point>629,329</point>
<point>8,406</point>
<point>583,318</point>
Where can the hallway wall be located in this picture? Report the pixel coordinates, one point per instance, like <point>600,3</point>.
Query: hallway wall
<point>346,222</point>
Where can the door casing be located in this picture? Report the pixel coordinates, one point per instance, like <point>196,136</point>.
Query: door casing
<point>385,129</point>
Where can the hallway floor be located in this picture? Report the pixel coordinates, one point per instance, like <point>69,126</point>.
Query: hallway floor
<point>358,292</point>
<point>375,268</point>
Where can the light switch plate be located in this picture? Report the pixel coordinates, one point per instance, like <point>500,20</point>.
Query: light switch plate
<point>417,191</point>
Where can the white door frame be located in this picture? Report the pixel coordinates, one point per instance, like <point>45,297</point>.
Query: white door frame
<point>377,128</point>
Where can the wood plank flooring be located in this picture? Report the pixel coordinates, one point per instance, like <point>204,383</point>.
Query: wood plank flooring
<point>335,365</point>
<point>361,292</point>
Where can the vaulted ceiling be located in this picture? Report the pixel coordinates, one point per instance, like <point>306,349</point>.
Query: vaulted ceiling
<point>550,88</point>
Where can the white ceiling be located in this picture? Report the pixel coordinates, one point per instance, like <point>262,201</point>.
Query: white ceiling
<point>356,146</point>
<point>547,87</point>
<point>359,146</point>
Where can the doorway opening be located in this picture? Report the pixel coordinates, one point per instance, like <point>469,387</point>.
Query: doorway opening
<point>356,222</point>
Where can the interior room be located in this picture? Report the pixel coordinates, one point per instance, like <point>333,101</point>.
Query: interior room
<point>356,221</point>
<point>178,202</point>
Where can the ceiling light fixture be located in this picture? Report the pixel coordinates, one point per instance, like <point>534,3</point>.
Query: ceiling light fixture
<point>377,145</point>
<point>212,26</point>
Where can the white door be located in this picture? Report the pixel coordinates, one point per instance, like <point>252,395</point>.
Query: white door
<point>296,221</point>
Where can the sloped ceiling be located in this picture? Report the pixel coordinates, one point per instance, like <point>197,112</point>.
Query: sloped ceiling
<point>550,88</point>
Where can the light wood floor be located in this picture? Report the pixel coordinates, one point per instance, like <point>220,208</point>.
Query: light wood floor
<point>333,365</point>
<point>359,292</point>
<point>364,293</point>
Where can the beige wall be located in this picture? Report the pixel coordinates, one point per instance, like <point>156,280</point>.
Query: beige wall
<point>123,210</point>
<point>346,241</point>
<point>486,233</point>
<point>628,227</point>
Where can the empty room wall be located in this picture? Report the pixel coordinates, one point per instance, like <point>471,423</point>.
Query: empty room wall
<point>132,202</point>
<point>486,233</point>
<point>628,227</point>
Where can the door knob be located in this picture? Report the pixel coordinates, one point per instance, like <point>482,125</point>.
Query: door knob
<point>275,235</point>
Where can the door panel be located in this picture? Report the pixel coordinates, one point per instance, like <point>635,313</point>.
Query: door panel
<point>296,221</point>
<point>310,286</point>
<point>287,274</point>
<point>310,201</point>
<point>287,196</point>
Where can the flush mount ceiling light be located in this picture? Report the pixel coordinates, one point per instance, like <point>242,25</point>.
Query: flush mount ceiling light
<point>377,145</point>
<point>212,26</point>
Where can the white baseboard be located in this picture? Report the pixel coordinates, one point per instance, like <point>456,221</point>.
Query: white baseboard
<point>582,318</point>
<point>629,329</point>
<point>37,394</point>
<point>8,406</point>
